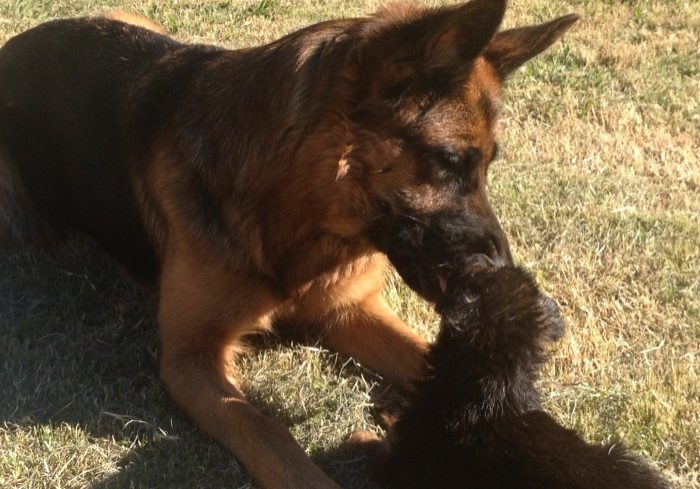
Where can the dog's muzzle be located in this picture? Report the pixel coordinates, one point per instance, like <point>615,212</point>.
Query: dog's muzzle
<point>427,250</point>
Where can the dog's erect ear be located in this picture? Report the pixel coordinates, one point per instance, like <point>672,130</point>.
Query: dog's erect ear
<point>432,39</point>
<point>510,49</point>
<point>457,35</point>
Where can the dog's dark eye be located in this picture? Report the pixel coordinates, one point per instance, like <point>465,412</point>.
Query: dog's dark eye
<point>460,167</point>
<point>460,163</point>
<point>449,158</point>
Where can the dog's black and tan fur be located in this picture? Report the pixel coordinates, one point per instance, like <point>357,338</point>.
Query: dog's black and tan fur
<point>247,185</point>
<point>476,421</point>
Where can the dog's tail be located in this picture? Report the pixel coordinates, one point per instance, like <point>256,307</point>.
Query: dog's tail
<point>134,19</point>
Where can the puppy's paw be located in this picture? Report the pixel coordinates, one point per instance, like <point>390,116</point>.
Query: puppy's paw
<point>369,443</point>
<point>386,418</point>
<point>554,323</point>
<point>386,410</point>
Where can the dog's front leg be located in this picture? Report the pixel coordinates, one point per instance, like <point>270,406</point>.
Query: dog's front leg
<point>370,332</point>
<point>203,313</point>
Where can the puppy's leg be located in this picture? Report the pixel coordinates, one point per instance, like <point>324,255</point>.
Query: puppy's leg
<point>203,312</point>
<point>372,333</point>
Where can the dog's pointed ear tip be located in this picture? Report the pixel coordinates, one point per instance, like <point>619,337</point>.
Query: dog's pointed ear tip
<point>568,20</point>
<point>494,8</point>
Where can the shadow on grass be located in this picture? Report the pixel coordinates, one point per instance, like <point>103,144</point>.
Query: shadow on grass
<point>79,346</point>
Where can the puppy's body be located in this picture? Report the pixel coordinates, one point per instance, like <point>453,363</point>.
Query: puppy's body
<point>477,422</point>
<point>251,186</point>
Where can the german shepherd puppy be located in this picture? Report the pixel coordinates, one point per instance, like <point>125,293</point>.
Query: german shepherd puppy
<point>248,185</point>
<point>476,421</point>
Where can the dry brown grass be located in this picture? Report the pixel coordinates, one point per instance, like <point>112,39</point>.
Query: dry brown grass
<point>599,189</point>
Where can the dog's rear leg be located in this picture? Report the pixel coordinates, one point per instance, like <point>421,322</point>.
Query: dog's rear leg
<point>372,333</point>
<point>200,324</point>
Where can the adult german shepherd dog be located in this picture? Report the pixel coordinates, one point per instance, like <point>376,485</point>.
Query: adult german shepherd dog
<point>253,186</point>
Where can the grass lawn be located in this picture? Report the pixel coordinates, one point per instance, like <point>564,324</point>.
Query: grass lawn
<point>598,189</point>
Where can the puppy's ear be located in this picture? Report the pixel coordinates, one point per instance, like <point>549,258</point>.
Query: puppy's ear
<point>510,49</point>
<point>403,39</point>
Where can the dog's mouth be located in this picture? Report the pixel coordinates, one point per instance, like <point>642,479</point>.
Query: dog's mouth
<point>435,285</point>
<point>431,284</point>
<point>427,254</point>
<point>442,282</point>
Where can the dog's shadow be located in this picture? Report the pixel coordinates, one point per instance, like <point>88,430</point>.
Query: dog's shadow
<point>79,349</point>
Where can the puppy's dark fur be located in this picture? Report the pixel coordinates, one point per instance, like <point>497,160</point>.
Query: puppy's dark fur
<point>477,421</point>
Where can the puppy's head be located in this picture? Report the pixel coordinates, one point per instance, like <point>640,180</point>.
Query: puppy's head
<point>424,90</point>
<point>495,324</point>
